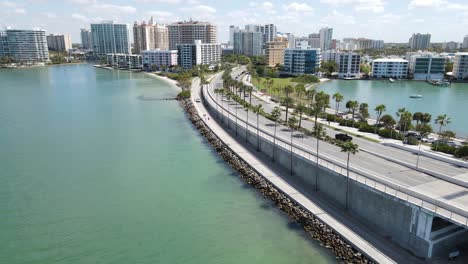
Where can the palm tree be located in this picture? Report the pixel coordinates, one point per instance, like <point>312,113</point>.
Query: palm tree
<point>442,121</point>
<point>300,91</point>
<point>418,116</point>
<point>292,124</point>
<point>407,117</point>
<point>338,98</point>
<point>364,111</point>
<point>288,103</point>
<point>310,94</point>
<point>319,132</point>
<point>249,89</point>
<point>228,99</point>
<point>349,148</point>
<point>353,105</point>
<point>379,109</point>
<point>426,118</point>
<point>275,115</point>
<point>288,89</point>
<point>257,109</point>
<point>300,109</point>
<point>399,114</point>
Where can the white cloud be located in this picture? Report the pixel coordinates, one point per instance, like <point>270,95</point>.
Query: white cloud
<point>199,9</point>
<point>12,7</point>
<point>50,15</point>
<point>337,18</point>
<point>376,6</point>
<point>19,10</point>
<point>81,17</point>
<point>82,2</point>
<point>424,3</point>
<point>298,7</point>
<point>110,8</point>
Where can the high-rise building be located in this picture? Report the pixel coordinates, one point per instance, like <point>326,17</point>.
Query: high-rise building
<point>109,37</point>
<point>326,36</point>
<point>275,50</point>
<point>59,42</point>
<point>420,41</point>
<point>301,61</point>
<point>269,32</point>
<point>198,53</point>
<point>149,36</point>
<point>143,37</point>
<point>253,28</point>
<point>460,66</point>
<point>86,39</point>
<point>26,46</point>
<point>125,61</point>
<point>248,43</point>
<point>232,29</point>
<point>427,66</point>
<point>187,32</point>
<point>377,44</point>
<point>390,68</point>
<point>314,40</point>
<point>465,42</point>
<point>291,40</point>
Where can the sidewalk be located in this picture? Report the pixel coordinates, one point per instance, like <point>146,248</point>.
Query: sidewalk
<point>272,176</point>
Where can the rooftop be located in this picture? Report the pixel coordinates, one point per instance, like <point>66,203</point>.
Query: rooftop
<point>390,60</point>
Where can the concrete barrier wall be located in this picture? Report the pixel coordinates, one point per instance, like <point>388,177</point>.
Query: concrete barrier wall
<point>385,214</point>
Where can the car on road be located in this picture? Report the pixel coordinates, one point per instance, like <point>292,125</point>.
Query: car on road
<point>428,139</point>
<point>450,143</point>
<point>198,100</point>
<point>413,134</point>
<point>343,137</point>
<point>225,100</point>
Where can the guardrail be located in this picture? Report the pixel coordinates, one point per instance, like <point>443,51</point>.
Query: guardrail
<point>371,179</point>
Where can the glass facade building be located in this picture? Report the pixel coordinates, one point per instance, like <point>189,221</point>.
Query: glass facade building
<point>108,38</point>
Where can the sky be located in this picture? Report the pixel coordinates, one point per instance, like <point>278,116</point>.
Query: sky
<point>390,20</point>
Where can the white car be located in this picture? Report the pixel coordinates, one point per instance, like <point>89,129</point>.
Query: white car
<point>428,139</point>
<point>198,100</point>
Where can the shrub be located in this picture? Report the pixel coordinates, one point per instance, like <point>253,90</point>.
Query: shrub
<point>389,133</point>
<point>412,141</point>
<point>331,118</point>
<point>364,127</point>
<point>462,152</point>
<point>444,148</point>
<point>185,94</point>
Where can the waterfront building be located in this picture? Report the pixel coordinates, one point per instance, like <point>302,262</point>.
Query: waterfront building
<point>61,43</point>
<point>451,46</point>
<point>275,50</point>
<point>86,39</point>
<point>427,66</point>
<point>314,40</point>
<point>326,36</point>
<point>227,51</point>
<point>248,43</point>
<point>186,32</point>
<point>26,46</point>
<point>348,63</point>
<point>198,53</point>
<point>460,66</point>
<point>253,28</point>
<point>159,58</point>
<point>465,42</point>
<point>377,44</point>
<point>299,61</point>
<point>420,41</point>
<point>390,68</point>
<point>125,61</point>
<point>110,38</point>
<point>334,44</point>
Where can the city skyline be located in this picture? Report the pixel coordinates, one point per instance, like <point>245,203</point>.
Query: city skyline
<point>392,22</point>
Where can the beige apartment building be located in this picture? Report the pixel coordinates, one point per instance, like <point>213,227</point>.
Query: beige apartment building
<point>150,36</point>
<point>187,32</point>
<point>275,51</point>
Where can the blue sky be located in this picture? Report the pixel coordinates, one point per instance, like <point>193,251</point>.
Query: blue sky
<point>390,20</point>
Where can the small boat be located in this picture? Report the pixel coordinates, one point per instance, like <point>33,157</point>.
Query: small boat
<point>391,80</point>
<point>415,96</point>
<point>349,78</point>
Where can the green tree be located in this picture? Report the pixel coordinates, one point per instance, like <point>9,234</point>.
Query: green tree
<point>379,110</point>
<point>258,110</point>
<point>364,68</point>
<point>441,121</point>
<point>353,106</point>
<point>300,109</point>
<point>300,90</point>
<point>348,148</point>
<point>417,117</point>
<point>449,67</point>
<point>292,124</point>
<point>275,115</point>
<point>328,67</point>
<point>288,103</point>
<point>364,111</point>
<point>338,99</point>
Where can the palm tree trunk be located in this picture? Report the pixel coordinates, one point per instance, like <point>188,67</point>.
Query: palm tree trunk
<point>258,143</point>
<point>287,111</point>
<point>236,119</point>
<point>347,181</point>
<point>274,143</point>
<point>300,119</point>
<point>291,157</point>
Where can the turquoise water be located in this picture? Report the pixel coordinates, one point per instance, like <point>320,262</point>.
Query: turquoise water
<point>91,174</point>
<point>452,100</point>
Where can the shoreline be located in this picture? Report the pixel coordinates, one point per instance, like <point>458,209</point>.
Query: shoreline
<point>172,83</point>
